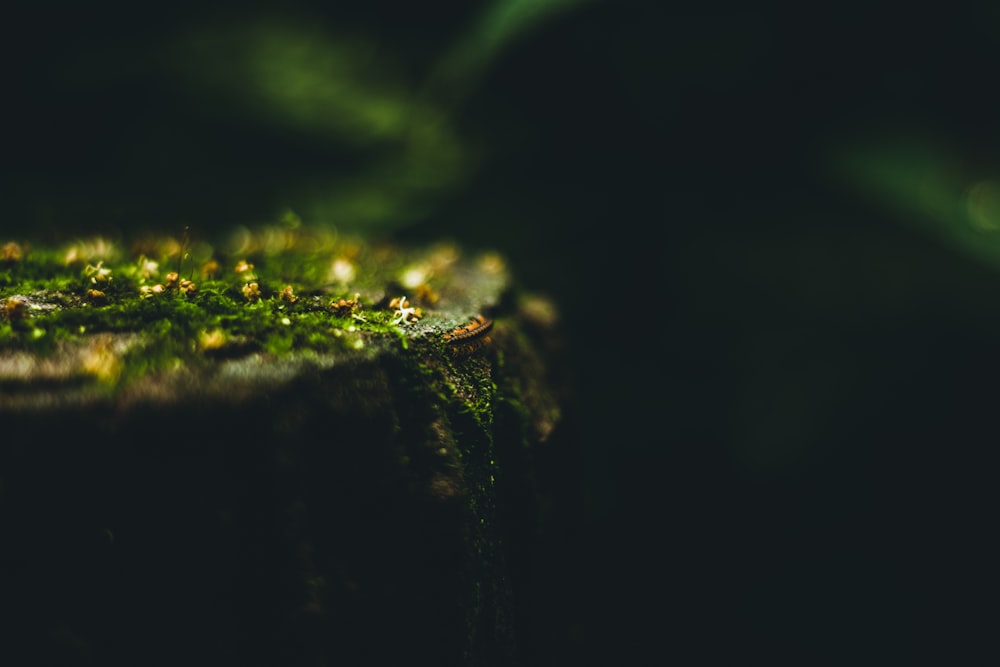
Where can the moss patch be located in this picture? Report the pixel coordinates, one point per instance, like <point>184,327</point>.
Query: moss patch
<point>274,290</point>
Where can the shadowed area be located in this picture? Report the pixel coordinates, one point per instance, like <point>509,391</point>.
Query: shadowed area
<point>771,235</point>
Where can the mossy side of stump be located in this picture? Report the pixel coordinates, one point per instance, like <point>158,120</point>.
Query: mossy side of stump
<point>307,474</point>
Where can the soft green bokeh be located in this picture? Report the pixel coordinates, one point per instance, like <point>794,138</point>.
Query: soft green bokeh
<point>927,183</point>
<point>501,25</point>
<point>393,143</point>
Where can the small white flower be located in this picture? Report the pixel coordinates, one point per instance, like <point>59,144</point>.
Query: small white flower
<point>404,312</point>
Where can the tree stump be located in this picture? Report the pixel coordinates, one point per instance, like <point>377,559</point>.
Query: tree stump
<point>287,448</point>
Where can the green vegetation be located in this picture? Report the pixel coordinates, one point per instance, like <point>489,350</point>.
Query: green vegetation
<point>271,291</point>
<point>922,181</point>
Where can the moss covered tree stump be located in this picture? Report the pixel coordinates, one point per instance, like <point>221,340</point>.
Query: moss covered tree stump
<point>282,448</point>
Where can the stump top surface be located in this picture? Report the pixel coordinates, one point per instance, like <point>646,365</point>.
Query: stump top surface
<point>97,318</point>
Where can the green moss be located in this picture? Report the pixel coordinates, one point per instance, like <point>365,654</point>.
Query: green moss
<point>273,290</point>
<point>113,311</point>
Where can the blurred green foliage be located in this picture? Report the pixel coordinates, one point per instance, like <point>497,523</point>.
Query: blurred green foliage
<point>391,149</point>
<point>209,118</point>
<point>929,183</point>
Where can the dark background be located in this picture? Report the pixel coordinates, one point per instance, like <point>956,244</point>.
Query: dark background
<point>779,436</point>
